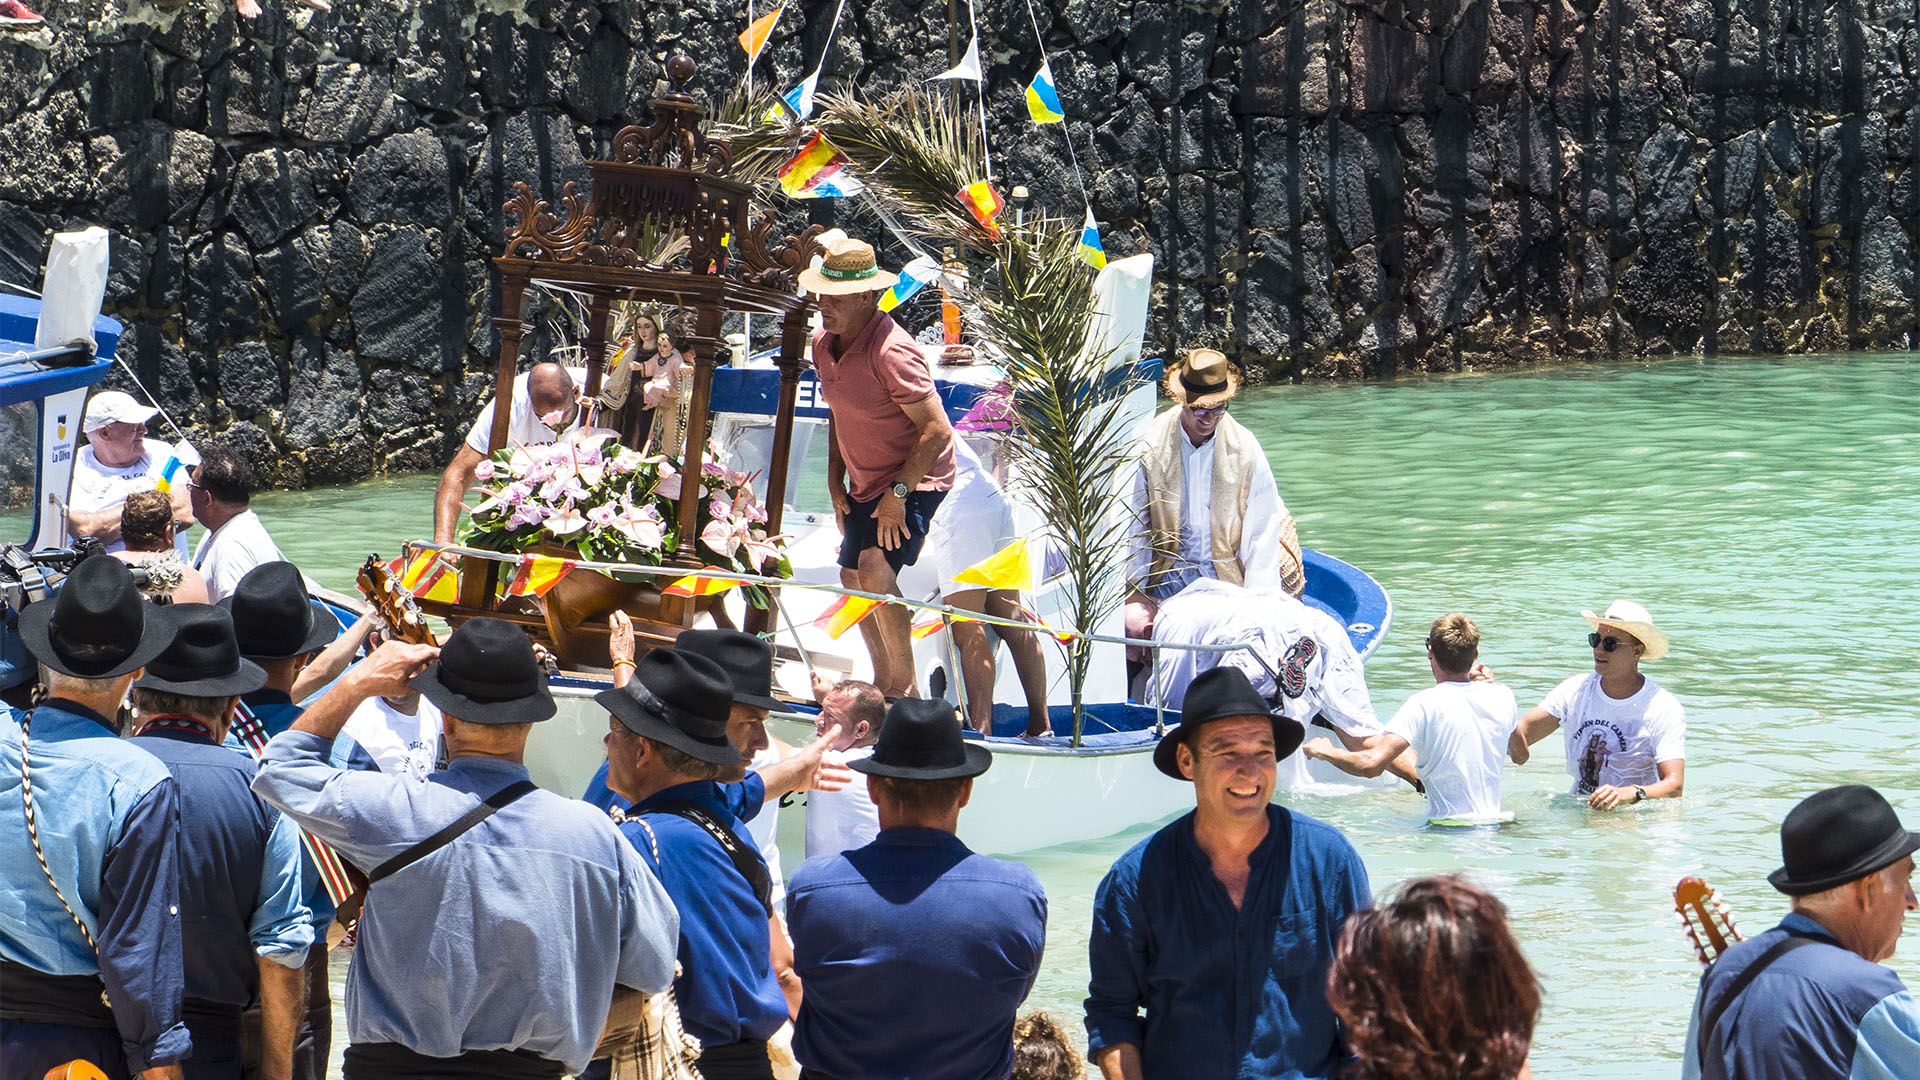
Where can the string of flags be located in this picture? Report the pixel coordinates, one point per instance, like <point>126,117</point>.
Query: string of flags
<point>913,277</point>
<point>818,171</point>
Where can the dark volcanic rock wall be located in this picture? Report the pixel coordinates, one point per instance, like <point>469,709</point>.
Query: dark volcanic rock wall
<point>304,206</point>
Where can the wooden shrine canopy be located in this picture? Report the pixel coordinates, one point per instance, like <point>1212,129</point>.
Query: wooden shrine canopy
<point>665,179</point>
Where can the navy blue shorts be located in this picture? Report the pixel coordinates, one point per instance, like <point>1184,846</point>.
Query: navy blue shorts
<point>862,532</point>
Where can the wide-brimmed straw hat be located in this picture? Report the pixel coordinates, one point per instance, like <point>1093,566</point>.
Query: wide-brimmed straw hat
<point>1223,693</point>
<point>747,660</point>
<point>1634,619</point>
<point>274,618</point>
<point>1204,379</point>
<point>849,267</point>
<point>1839,835</point>
<point>204,658</point>
<point>96,626</point>
<point>679,699</point>
<point>921,740</point>
<point>487,674</point>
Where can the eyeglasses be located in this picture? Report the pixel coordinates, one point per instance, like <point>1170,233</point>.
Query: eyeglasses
<point>1206,414</point>
<point>1606,644</point>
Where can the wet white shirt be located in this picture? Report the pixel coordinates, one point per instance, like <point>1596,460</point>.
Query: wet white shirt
<point>1459,732</point>
<point>523,427</point>
<point>1617,742</point>
<point>227,553</point>
<point>842,820</point>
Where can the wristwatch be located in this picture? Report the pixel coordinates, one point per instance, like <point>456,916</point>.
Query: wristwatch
<point>1639,793</point>
<point>899,490</point>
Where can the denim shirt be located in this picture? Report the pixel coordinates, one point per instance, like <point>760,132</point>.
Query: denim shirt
<point>916,954</point>
<point>112,812</point>
<point>727,990</point>
<point>511,937</point>
<point>1226,992</point>
<point>276,712</point>
<point>239,869</point>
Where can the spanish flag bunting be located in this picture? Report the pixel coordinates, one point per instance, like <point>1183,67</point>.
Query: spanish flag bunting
<point>819,170</point>
<point>845,613</point>
<point>441,585</point>
<point>1064,637</point>
<point>928,628</point>
<point>1043,101</point>
<point>984,204</point>
<point>754,37</point>
<point>1008,568</point>
<point>537,574</point>
<point>913,277</point>
<point>1090,248</point>
<point>695,585</point>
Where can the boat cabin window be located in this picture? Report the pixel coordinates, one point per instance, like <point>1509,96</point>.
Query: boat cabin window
<point>19,454</point>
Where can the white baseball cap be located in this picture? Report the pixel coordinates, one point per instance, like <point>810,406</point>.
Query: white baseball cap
<point>116,407</point>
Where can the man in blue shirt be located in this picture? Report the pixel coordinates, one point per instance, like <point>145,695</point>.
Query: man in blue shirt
<point>499,940</point>
<point>100,912</point>
<point>1220,927</point>
<point>245,931</point>
<point>1809,999</point>
<point>916,953</point>
<point>282,629</point>
<point>666,746</point>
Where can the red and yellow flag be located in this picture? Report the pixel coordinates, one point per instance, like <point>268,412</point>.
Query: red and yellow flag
<point>845,613</point>
<point>537,574</point>
<point>815,165</point>
<point>695,585</point>
<point>984,204</point>
<point>427,577</point>
<point>928,628</point>
<point>754,37</point>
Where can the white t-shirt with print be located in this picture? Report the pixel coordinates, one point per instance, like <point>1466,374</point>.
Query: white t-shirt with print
<point>842,820</point>
<point>523,427</point>
<point>398,743</point>
<point>1617,742</point>
<point>97,487</point>
<point>1459,732</point>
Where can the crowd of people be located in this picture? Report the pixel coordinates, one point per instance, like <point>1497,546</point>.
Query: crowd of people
<point>217,794</point>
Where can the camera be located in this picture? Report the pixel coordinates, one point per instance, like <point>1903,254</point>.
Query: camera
<point>28,577</point>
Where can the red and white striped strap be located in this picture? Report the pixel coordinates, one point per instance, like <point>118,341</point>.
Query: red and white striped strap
<point>333,872</point>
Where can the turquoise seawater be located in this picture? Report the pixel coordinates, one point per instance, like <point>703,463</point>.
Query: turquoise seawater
<point>1767,511</point>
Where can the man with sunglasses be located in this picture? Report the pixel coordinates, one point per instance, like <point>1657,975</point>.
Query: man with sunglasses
<point>1204,499</point>
<point>1626,735</point>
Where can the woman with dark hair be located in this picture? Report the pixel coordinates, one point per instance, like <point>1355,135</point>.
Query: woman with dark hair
<point>1432,986</point>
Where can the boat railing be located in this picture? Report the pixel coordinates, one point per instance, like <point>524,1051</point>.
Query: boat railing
<point>947,613</point>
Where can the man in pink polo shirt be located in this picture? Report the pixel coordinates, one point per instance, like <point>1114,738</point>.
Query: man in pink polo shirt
<point>890,455</point>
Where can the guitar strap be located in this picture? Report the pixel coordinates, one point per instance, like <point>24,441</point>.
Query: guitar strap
<point>744,859</point>
<point>1763,962</point>
<point>334,873</point>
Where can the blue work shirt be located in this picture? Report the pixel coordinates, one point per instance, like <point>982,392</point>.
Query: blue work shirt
<point>511,937</point>
<point>727,990</point>
<point>916,954</point>
<point>276,712</point>
<point>1227,992</point>
<point>1819,1012</point>
<point>744,798</point>
<point>239,868</point>
<point>108,815</point>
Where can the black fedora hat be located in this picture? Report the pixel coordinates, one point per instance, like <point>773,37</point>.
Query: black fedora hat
<point>1217,694</point>
<point>274,618</point>
<point>921,740</point>
<point>1839,835</point>
<point>747,660</point>
<point>96,626</point>
<point>678,698</point>
<point>486,674</point>
<point>203,659</point>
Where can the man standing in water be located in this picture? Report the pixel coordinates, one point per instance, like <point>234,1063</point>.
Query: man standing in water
<point>1626,734</point>
<point>1220,927</point>
<point>1809,999</point>
<point>890,446</point>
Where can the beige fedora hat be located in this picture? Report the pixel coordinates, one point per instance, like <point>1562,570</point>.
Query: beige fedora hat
<point>1204,378</point>
<point>849,267</point>
<point>1634,619</point>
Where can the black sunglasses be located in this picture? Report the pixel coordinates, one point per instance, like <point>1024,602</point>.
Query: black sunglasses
<point>1605,644</point>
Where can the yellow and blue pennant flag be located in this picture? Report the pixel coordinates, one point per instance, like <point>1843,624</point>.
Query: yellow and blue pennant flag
<point>913,277</point>
<point>1043,101</point>
<point>1090,248</point>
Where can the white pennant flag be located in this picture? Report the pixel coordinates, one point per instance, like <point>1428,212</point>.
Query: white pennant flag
<point>969,66</point>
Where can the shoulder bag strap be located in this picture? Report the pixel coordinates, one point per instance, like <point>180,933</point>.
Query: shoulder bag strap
<point>496,802</point>
<point>1763,962</point>
<point>743,858</point>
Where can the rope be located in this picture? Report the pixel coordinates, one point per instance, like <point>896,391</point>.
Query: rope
<point>33,833</point>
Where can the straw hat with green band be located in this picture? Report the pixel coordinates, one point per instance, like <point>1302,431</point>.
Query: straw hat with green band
<point>849,267</point>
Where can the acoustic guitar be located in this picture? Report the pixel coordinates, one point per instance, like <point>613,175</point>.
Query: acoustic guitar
<point>393,606</point>
<point>1708,919</point>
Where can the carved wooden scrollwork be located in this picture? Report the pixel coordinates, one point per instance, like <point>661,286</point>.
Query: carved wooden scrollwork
<point>537,234</point>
